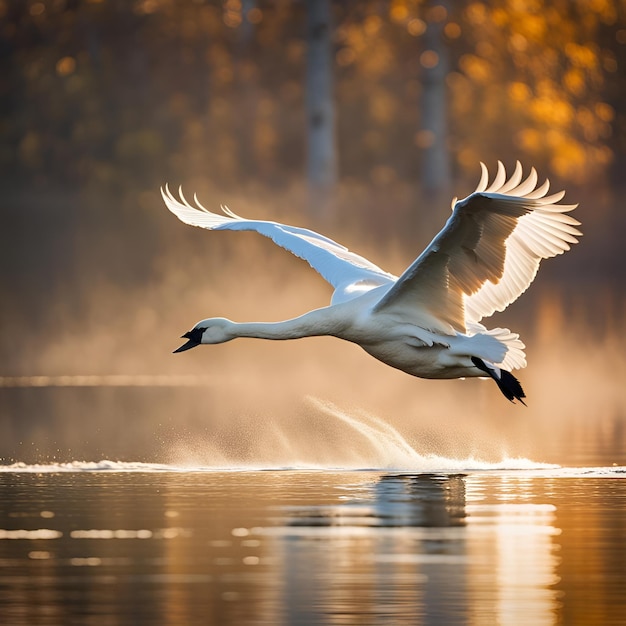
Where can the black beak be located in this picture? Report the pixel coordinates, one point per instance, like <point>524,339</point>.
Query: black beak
<point>192,343</point>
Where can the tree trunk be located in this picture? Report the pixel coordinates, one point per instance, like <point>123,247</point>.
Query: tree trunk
<point>435,171</point>
<point>322,152</point>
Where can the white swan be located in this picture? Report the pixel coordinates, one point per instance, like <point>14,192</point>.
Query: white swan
<point>425,322</point>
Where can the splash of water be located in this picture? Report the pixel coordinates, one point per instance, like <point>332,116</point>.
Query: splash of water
<point>505,467</point>
<point>388,448</point>
<point>87,466</point>
<point>381,447</point>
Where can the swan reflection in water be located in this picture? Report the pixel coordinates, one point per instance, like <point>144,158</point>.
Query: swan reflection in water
<point>409,547</point>
<point>400,501</point>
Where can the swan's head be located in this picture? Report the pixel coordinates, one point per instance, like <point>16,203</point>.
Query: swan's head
<point>213,330</point>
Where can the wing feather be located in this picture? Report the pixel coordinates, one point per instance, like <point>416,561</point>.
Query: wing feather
<point>499,180</point>
<point>487,254</point>
<point>514,181</point>
<point>334,262</point>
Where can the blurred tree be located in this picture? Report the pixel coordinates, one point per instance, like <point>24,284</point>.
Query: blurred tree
<point>433,136</point>
<point>322,147</point>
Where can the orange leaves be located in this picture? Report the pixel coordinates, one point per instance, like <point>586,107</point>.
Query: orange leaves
<point>476,68</point>
<point>584,56</point>
<point>552,70</point>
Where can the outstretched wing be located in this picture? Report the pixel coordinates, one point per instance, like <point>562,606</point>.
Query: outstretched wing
<point>487,254</point>
<point>334,262</point>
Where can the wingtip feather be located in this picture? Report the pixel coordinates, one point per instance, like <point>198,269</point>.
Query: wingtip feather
<point>514,180</point>
<point>484,178</point>
<point>228,212</point>
<point>199,204</point>
<point>499,179</point>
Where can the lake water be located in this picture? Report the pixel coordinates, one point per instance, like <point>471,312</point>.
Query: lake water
<point>133,544</point>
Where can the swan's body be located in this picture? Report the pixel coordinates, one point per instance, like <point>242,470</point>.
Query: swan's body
<point>427,321</point>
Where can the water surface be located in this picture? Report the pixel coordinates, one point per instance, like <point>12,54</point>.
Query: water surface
<point>122,543</point>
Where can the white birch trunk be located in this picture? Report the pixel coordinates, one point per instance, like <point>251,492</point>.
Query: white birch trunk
<point>321,142</point>
<point>435,171</point>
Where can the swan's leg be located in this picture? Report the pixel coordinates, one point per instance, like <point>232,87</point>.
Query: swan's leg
<point>507,383</point>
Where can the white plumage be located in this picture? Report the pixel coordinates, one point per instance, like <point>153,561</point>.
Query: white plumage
<point>427,321</point>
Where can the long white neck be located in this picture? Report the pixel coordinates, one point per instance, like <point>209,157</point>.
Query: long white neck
<point>318,322</point>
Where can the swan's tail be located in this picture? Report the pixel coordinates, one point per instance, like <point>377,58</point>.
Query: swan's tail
<point>506,352</point>
<point>507,383</point>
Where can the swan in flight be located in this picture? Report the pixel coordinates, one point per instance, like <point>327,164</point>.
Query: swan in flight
<point>425,322</point>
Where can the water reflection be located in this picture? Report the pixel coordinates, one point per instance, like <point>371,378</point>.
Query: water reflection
<point>516,538</point>
<point>408,541</point>
<point>307,548</point>
<point>391,501</point>
<point>389,548</point>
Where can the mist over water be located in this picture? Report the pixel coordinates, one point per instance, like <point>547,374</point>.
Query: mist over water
<point>313,403</point>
